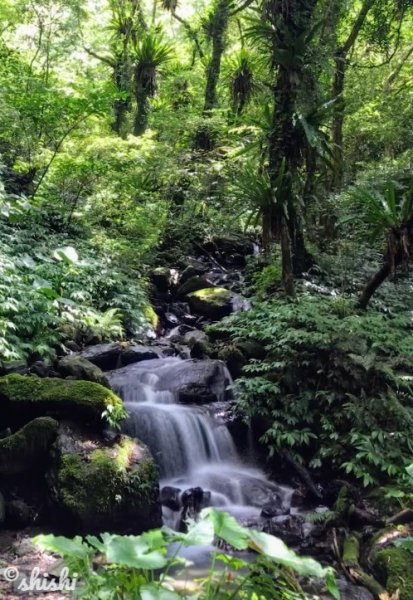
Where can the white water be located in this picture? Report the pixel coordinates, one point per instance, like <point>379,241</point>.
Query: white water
<point>192,446</point>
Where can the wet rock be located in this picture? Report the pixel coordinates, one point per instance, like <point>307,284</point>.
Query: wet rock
<point>230,244</point>
<point>193,501</point>
<point>19,366</point>
<point>163,278</point>
<point>137,353</point>
<point>105,356</point>
<point>193,284</point>
<point>104,488</point>
<point>170,497</point>
<point>195,381</point>
<point>40,368</point>
<point>214,303</point>
<point>171,319</point>
<point>28,447</point>
<point>196,335</point>
<point>79,367</point>
<point>72,346</point>
<point>273,508</point>
<point>193,269</point>
<point>289,528</point>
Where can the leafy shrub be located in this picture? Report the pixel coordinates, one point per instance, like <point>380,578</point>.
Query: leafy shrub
<point>148,566</point>
<point>334,387</point>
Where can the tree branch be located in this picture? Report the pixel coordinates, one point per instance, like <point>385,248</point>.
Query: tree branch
<point>104,59</point>
<point>192,34</point>
<point>243,6</point>
<point>358,24</point>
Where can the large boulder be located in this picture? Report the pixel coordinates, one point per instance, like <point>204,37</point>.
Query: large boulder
<point>230,244</point>
<point>28,447</point>
<point>198,381</point>
<point>136,353</point>
<point>104,356</point>
<point>214,303</point>
<point>101,487</point>
<point>194,284</point>
<point>25,397</point>
<point>394,569</point>
<point>78,367</point>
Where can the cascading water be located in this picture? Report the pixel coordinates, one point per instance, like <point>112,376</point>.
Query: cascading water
<point>193,447</point>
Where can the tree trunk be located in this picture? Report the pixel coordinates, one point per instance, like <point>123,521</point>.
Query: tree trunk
<point>219,25</point>
<point>141,119</point>
<point>287,259</point>
<point>338,119</point>
<point>285,144</point>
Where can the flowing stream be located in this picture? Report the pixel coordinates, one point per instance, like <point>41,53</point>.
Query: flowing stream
<point>191,443</point>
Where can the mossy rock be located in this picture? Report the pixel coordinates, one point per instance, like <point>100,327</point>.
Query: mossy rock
<point>394,568</point>
<point>108,488</point>
<point>81,368</point>
<point>25,397</point>
<point>234,360</point>
<point>28,447</point>
<point>214,303</point>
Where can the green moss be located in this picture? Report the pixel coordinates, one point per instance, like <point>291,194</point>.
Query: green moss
<point>396,567</point>
<point>57,397</point>
<point>217,296</point>
<point>351,550</point>
<point>211,302</point>
<point>27,447</point>
<point>151,315</point>
<point>108,481</point>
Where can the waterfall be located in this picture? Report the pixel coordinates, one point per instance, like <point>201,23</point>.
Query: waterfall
<point>192,445</point>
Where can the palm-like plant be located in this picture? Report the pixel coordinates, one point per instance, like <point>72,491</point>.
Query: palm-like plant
<point>152,52</point>
<point>391,216</point>
<point>242,81</point>
<point>170,5</point>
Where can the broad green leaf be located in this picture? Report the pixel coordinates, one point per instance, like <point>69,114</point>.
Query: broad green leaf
<point>68,254</point>
<point>406,543</point>
<point>133,551</point>
<point>156,592</point>
<point>227,528</point>
<point>276,549</point>
<point>61,545</point>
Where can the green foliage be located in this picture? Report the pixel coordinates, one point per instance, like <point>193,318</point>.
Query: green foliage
<point>335,385</point>
<point>149,566</point>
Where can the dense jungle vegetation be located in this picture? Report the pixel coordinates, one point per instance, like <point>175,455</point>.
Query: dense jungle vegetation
<point>136,133</point>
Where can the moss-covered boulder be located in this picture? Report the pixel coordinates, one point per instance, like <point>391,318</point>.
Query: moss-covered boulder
<point>394,568</point>
<point>27,448</point>
<point>79,367</point>
<point>105,488</point>
<point>25,397</point>
<point>214,303</point>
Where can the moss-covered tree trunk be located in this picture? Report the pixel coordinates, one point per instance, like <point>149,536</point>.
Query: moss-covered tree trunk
<point>218,27</point>
<point>338,92</point>
<point>285,144</point>
<point>121,106</point>
<point>141,120</point>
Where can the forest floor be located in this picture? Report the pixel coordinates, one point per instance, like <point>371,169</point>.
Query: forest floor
<point>19,556</point>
